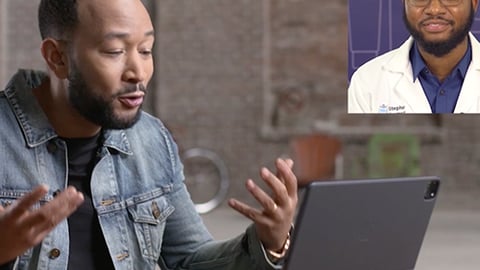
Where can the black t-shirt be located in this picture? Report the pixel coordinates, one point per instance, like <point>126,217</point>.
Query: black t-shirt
<point>88,249</point>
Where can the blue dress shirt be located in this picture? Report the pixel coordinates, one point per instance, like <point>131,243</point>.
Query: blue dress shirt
<point>442,96</point>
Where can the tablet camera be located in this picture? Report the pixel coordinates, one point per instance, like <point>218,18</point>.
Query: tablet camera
<point>432,190</point>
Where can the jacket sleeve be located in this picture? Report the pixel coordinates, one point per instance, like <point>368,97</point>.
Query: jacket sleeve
<point>243,252</point>
<point>188,245</point>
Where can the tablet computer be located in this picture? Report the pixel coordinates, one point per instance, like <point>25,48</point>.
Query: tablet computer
<point>373,224</point>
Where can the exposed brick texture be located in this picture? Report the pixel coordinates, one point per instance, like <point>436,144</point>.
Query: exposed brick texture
<point>20,41</point>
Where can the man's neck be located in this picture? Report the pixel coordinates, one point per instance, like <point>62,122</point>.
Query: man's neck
<point>67,122</point>
<point>442,66</point>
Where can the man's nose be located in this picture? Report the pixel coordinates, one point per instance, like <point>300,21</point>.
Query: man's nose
<point>135,70</point>
<point>435,7</point>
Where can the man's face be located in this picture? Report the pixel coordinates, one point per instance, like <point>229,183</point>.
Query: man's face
<point>437,28</point>
<point>110,61</point>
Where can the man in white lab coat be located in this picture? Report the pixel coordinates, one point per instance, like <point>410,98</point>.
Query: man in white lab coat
<point>437,70</point>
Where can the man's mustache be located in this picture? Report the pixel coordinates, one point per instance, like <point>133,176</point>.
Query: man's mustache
<point>132,88</point>
<point>436,18</point>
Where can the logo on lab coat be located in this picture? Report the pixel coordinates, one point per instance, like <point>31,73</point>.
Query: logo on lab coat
<point>383,109</point>
<point>391,109</point>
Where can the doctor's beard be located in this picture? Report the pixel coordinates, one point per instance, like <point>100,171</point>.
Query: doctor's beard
<point>441,48</point>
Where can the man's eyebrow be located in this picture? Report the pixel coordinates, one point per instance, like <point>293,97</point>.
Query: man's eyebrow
<point>123,35</point>
<point>150,33</point>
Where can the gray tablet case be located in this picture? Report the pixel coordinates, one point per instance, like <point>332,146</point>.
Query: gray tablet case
<point>376,224</point>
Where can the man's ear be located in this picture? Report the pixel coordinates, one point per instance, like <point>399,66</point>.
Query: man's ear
<point>54,53</point>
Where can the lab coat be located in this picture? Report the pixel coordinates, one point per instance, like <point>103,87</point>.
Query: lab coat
<point>385,85</point>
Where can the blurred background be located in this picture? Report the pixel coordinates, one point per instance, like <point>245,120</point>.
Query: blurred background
<point>251,80</point>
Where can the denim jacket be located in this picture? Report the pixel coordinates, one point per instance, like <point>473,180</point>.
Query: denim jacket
<point>144,210</point>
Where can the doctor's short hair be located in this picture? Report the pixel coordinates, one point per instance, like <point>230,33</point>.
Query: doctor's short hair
<point>57,18</point>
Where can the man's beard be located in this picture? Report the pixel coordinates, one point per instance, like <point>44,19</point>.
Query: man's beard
<point>94,107</point>
<point>440,48</point>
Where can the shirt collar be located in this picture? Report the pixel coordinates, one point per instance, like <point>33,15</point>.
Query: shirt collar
<point>418,65</point>
<point>465,62</point>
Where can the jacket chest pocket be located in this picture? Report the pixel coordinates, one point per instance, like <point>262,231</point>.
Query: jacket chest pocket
<point>6,202</point>
<point>7,198</point>
<point>149,219</point>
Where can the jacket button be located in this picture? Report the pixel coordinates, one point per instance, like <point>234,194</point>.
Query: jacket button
<point>54,253</point>
<point>51,147</point>
<point>155,210</point>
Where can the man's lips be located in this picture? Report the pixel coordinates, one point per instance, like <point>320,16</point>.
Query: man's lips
<point>435,26</point>
<point>132,100</point>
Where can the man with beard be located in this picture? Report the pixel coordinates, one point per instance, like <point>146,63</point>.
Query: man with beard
<point>89,181</point>
<point>437,70</point>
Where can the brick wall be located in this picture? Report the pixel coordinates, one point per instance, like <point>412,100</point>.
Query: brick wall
<point>308,45</point>
<point>210,85</point>
<point>3,24</point>
<point>20,37</point>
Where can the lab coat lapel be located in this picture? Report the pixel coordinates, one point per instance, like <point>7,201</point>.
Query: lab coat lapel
<point>412,95</point>
<point>469,98</point>
<point>407,92</point>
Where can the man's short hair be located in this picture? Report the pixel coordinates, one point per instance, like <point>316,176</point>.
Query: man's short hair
<point>57,18</point>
